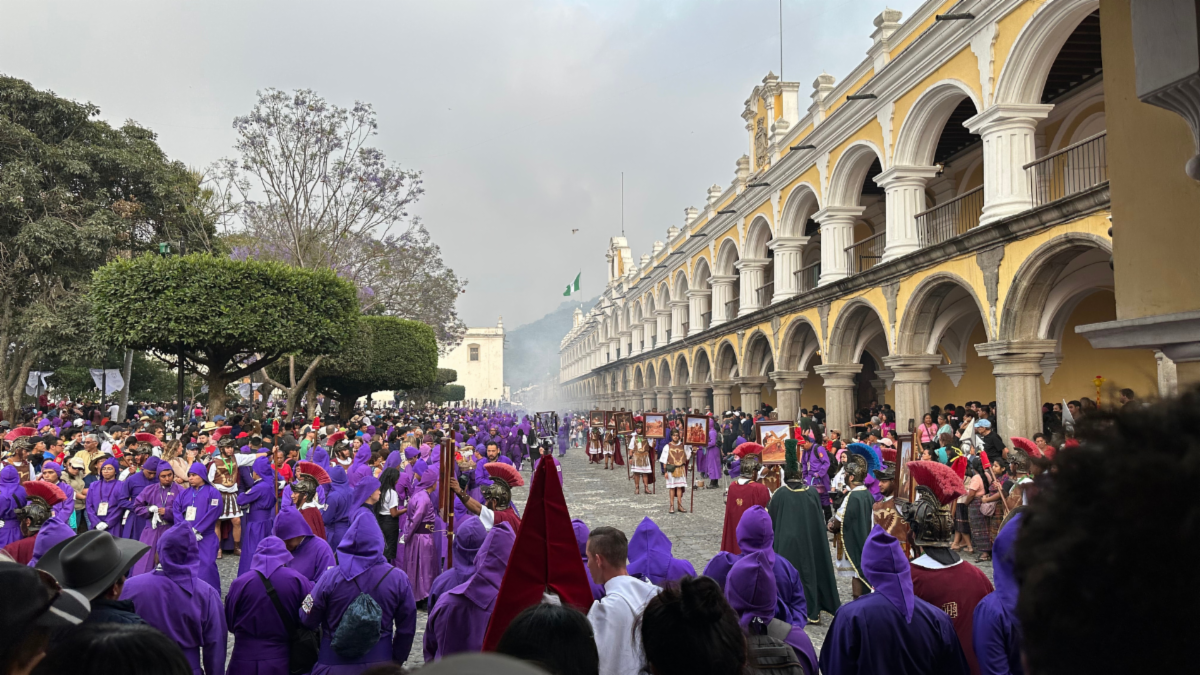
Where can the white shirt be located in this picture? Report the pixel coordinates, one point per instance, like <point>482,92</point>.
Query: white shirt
<point>388,502</point>
<point>612,618</point>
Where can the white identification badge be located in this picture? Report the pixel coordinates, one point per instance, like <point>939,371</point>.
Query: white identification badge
<point>214,502</point>
<point>124,517</point>
<point>1,524</point>
<point>190,514</point>
<point>102,510</point>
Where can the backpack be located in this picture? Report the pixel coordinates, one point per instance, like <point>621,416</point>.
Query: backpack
<point>769,653</point>
<point>358,630</point>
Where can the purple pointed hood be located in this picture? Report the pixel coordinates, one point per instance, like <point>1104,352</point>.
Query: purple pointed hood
<point>363,491</point>
<point>394,459</point>
<point>360,548</point>
<point>468,540</point>
<point>163,466</point>
<point>428,478</point>
<point>10,481</point>
<point>150,465</point>
<point>887,570</point>
<point>270,555</point>
<point>754,532</point>
<point>290,524</point>
<point>262,467</point>
<point>750,588</point>
<point>198,469</point>
<point>53,531</point>
<point>338,479</point>
<point>179,558</point>
<point>410,453</point>
<point>650,555</point>
<point>53,466</point>
<point>1004,566</point>
<point>581,536</point>
<point>484,584</point>
<point>321,458</point>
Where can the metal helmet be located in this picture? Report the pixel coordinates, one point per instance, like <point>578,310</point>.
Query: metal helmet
<point>499,492</point>
<point>751,463</point>
<point>856,467</point>
<point>305,484</point>
<point>1018,460</point>
<point>931,523</point>
<point>37,511</point>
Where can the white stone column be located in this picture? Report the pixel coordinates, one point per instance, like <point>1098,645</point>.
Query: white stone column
<point>912,376</point>
<point>664,398</point>
<point>679,397</point>
<point>788,254</point>
<point>904,187</point>
<point>614,348</point>
<point>649,400</point>
<point>1168,375</point>
<point>722,293</point>
<point>722,397</point>
<point>648,325</point>
<point>699,397</point>
<point>679,310</point>
<point>626,343</point>
<point>1017,366</point>
<point>837,234</point>
<point>697,306</point>
<point>635,340</point>
<point>751,390</point>
<point>1007,130</point>
<point>752,270</point>
<point>839,395</point>
<point>663,317</point>
<point>788,388</point>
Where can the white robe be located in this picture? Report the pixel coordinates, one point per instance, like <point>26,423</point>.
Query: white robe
<point>612,618</point>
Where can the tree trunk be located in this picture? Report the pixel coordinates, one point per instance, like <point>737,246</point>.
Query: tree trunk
<point>264,392</point>
<point>345,408</point>
<point>312,398</point>
<point>217,396</point>
<point>126,374</point>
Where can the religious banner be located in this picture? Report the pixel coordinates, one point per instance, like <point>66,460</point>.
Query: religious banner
<point>596,418</point>
<point>36,384</point>
<point>624,422</point>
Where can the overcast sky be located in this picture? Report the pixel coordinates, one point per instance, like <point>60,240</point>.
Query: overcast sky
<point>522,114</point>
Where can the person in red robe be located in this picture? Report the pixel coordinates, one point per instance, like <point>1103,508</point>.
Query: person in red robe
<point>744,493</point>
<point>939,576</point>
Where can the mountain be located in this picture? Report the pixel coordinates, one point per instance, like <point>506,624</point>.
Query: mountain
<point>531,350</point>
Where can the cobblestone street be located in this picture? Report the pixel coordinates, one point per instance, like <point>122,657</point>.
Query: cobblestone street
<point>601,497</point>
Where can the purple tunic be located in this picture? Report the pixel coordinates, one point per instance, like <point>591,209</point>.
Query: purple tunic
<point>360,568</point>
<point>468,538</point>
<point>752,593</point>
<point>107,496</point>
<point>337,507</point>
<point>175,602</point>
<point>581,537</point>
<point>134,484</point>
<point>556,466</point>
<point>890,630</point>
<point>66,507</point>
<point>164,499</point>
<point>421,562</point>
<point>460,620</point>
<point>12,497</point>
<point>710,457</point>
<point>258,511</point>
<point>206,500</point>
<point>815,469</point>
<point>260,640</point>
<point>996,632</point>
<point>312,556</point>
<point>359,468</point>
<point>754,533</point>
<point>650,556</point>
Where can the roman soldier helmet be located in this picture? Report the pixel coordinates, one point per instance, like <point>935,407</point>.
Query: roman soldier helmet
<point>888,461</point>
<point>306,485</point>
<point>856,467</point>
<point>37,510</point>
<point>1018,460</point>
<point>751,459</point>
<point>499,492</point>
<point>929,516</point>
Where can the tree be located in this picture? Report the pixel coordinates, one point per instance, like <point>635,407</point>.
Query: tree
<point>74,194</point>
<point>229,318</point>
<point>453,392</point>
<point>310,192</point>
<point>436,392</point>
<point>385,353</point>
<point>149,379</point>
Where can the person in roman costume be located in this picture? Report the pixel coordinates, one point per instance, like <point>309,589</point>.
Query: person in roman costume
<point>610,445</point>
<point>303,495</point>
<point>641,465</point>
<point>675,459</point>
<point>852,523</point>
<point>595,445</point>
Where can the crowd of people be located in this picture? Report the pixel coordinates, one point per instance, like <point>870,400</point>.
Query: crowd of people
<point>111,533</point>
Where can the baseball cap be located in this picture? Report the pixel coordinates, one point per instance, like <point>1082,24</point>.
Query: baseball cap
<point>983,424</point>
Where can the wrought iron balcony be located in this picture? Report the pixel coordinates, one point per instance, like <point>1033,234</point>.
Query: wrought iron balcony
<point>807,277</point>
<point>1069,171</point>
<point>864,254</point>
<point>765,293</point>
<point>955,217</point>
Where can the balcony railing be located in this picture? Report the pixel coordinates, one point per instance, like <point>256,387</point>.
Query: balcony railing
<point>731,309</point>
<point>955,217</point>
<point>1069,171</point>
<point>765,292</point>
<point>865,254</point>
<point>807,277</point>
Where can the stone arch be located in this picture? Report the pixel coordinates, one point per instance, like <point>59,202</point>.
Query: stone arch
<point>681,371</point>
<point>664,373</point>
<point>801,341</point>
<point>639,382</point>
<point>726,362</point>
<point>702,367</point>
<point>801,203</point>
<point>858,324</point>
<point>680,287</point>
<point>759,358</point>
<point>846,181</point>
<point>727,255</point>
<point>758,235</point>
<point>664,296</point>
<point>651,381</point>
<point>941,303</point>
<point>922,127</point>
<point>1033,52</point>
<point>701,275</point>
<point>1048,281</point>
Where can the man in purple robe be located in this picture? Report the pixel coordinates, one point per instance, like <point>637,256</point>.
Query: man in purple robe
<point>154,505</point>
<point>468,538</point>
<point>51,533</point>
<point>363,499</point>
<point>135,482</point>
<point>311,555</point>
<point>754,533</point>
<point>814,465</point>
<point>260,639</point>
<point>460,620</point>
<point>197,508</point>
<point>361,569</point>
<point>337,507</point>
<point>183,607</point>
<point>890,630</point>
<point>105,501</point>
<point>52,473</point>
<point>421,562</point>
<point>650,556</point>
<point>581,537</point>
<point>996,632</point>
<point>710,458</point>
<point>752,593</point>
<point>258,510</point>
<point>361,466</point>
<point>12,497</point>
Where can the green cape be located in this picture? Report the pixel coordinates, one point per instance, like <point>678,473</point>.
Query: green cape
<point>859,519</point>
<point>801,538</point>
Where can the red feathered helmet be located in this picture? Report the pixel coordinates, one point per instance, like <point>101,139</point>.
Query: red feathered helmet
<point>50,492</point>
<point>929,516</point>
<point>314,470</point>
<point>748,448</point>
<point>1027,445</point>
<point>505,472</point>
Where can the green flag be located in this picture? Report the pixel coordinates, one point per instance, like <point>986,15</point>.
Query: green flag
<point>573,287</point>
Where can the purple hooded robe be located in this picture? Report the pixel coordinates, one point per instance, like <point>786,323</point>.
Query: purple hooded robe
<point>650,556</point>
<point>258,511</point>
<point>751,592</point>
<point>460,620</point>
<point>421,562</point>
<point>814,465</point>
<point>710,457</point>
<point>174,601</point>
<point>996,632</point>
<point>468,538</point>
<point>66,507</point>
<point>12,497</point>
<point>581,538</point>
<point>312,556</point>
<point>206,500</point>
<point>133,524</point>
<point>108,496</point>
<point>53,532</point>
<point>360,569</point>
<point>162,500</point>
<point>359,468</point>
<point>260,639</point>
<point>337,507</point>
<point>890,630</point>
<point>754,533</point>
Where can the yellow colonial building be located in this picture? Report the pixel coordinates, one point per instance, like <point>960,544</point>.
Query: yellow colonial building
<point>930,228</point>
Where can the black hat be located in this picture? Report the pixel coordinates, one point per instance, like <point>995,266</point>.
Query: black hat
<point>91,562</point>
<point>31,598</point>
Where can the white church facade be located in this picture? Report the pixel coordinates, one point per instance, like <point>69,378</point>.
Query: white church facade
<point>479,361</point>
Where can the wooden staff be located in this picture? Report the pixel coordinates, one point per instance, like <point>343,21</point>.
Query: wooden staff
<point>445,501</point>
<point>628,472</point>
<point>692,505</point>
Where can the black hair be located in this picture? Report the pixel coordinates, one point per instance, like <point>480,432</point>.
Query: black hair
<point>690,628</point>
<point>387,481</point>
<point>556,638</point>
<point>102,648</point>
<point>609,543</point>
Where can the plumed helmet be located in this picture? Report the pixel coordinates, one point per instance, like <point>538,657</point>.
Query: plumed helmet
<point>887,472</point>
<point>305,485</point>
<point>750,465</point>
<point>498,493</point>
<point>1018,460</point>
<point>931,523</point>
<point>856,467</point>
<point>37,511</point>
<point>25,443</point>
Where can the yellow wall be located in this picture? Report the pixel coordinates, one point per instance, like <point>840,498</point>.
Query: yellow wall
<point>1007,30</point>
<point>977,383</point>
<point>1132,368</point>
<point>854,88</point>
<point>919,30</point>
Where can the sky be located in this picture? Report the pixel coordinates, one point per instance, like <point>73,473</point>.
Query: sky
<point>521,114</point>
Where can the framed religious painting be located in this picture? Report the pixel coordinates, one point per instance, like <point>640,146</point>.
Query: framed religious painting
<point>656,425</point>
<point>695,430</point>
<point>907,452</point>
<point>610,419</point>
<point>771,434</point>
<point>596,418</point>
<point>624,422</point>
